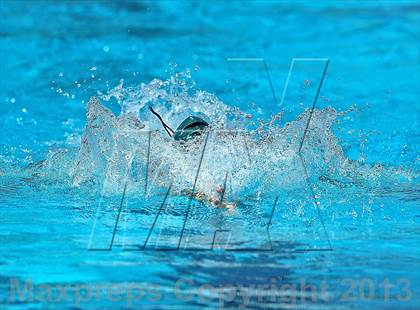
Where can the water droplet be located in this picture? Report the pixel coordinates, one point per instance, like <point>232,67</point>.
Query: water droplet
<point>106,48</point>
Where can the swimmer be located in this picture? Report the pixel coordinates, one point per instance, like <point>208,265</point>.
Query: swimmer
<point>194,126</point>
<point>215,199</point>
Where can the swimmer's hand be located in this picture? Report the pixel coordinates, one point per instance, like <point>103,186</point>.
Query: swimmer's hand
<point>214,200</point>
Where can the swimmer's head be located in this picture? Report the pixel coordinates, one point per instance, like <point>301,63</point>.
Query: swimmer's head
<point>192,126</point>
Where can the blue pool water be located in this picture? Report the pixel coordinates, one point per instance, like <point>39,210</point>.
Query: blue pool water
<point>342,217</point>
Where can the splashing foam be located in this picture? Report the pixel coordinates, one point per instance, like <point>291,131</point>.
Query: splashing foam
<point>134,148</point>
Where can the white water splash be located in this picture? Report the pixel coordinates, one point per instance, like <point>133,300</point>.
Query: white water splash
<point>115,149</point>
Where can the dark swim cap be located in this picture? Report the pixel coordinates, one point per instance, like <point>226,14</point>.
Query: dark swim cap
<point>190,127</point>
